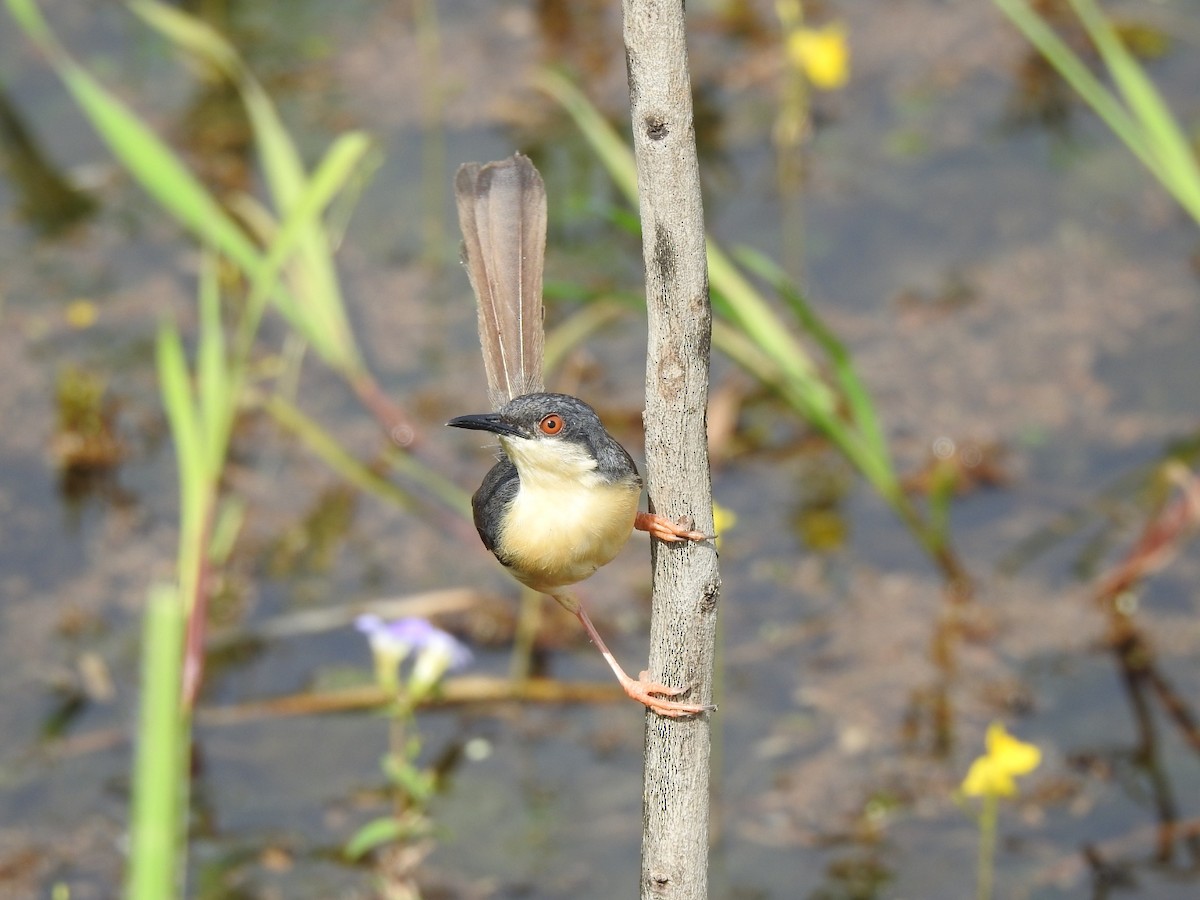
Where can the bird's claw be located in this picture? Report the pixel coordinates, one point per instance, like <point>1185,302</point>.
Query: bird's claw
<point>644,690</point>
<point>669,530</point>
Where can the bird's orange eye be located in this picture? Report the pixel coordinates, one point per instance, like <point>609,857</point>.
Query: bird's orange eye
<point>552,424</point>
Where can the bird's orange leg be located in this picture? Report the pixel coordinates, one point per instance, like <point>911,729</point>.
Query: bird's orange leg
<point>642,690</point>
<point>666,530</point>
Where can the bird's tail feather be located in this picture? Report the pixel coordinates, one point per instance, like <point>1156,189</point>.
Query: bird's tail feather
<point>502,213</point>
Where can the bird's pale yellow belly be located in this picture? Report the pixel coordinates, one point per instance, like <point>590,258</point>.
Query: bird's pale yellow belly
<point>560,532</point>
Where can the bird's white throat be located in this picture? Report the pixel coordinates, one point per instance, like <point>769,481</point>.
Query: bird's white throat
<point>567,519</point>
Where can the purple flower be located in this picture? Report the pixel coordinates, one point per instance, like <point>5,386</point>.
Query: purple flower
<point>436,652</point>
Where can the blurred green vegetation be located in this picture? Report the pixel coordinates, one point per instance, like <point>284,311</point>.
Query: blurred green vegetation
<point>280,251</point>
<point>1133,108</point>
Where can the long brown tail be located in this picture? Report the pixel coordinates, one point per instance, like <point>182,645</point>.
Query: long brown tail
<point>502,213</point>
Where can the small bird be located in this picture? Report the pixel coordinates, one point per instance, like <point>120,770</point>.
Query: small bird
<point>563,498</point>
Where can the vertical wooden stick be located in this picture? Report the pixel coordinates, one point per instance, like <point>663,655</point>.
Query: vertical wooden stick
<point>686,580</point>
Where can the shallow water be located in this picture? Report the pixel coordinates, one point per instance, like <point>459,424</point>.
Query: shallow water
<point>1007,284</point>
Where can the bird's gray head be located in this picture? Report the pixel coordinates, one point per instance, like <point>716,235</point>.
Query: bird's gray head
<point>553,435</point>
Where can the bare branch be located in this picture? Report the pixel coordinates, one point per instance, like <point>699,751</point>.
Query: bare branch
<point>686,580</point>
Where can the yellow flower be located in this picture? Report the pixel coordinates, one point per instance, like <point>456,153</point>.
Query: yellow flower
<point>723,519</point>
<point>993,774</point>
<point>82,314</point>
<point>822,54</point>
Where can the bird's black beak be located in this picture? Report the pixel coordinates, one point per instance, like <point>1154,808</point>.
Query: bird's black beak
<point>493,422</point>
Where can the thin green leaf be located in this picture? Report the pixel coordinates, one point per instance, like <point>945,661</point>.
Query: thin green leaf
<point>339,165</point>
<point>417,784</point>
<point>944,480</point>
<point>178,403</point>
<point>745,305</point>
<point>1180,172</point>
<point>751,311</point>
<point>324,445</point>
<point>747,354</point>
<point>576,328</point>
<point>858,398</point>
<point>30,18</point>
<point>227,524</point>
<point>446,491</point>
<point>612,150</point>
<point>382,831</point>
<point>1076,73</point>
<point>155,165</point>
<point>215,386</point>
<point>341,208</point>
<point>314,278</point>
<point>156,849</point>
<point>316,307</point>
<point>194,480</point>
<point>190,34</point>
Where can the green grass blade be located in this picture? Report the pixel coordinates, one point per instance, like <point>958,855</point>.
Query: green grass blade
<point>227,525</point>
<point>1076,73</point>
<point>149,160</point>
<point>280,159</point>
<point>33,23</point>
<point>741,300</point>
<point>186,427</point>
<point>751,311</point>
<point>375,834</point>
<point>216,386</point>
<point>317,308</point>
<point>737,346</point>
<point>338,168</point>
<point>190,34</point>
<point>857,397</point>
<point>342,163</point>
<point>190,454</point>
<point>156,847</point>
<point>446,491</point>
<point>1180,172</point>
<point>577,327</point>
<point>327,447</point>
<point>157,168</point>
<point>314,277</point>
<point>154,165</point>
<point>612,150</point>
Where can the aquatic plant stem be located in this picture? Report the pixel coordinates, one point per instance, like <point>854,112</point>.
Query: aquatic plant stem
<point>987,846</point>
<point>529,623</point>
<point>675,792</point>
<point>160,782</point>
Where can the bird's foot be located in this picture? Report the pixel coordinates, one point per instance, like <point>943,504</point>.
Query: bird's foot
<point>668,530</point>
<point>644,690</point>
